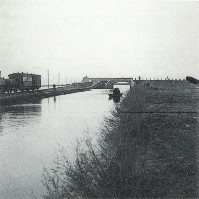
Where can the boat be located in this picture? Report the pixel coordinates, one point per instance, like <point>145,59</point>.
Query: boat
<point>116,93</point>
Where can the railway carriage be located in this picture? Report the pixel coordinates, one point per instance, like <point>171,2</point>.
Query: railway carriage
<point>21,82</point>
<point>2,84</point>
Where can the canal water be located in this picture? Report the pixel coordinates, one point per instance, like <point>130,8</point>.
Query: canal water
<point>30,136</point>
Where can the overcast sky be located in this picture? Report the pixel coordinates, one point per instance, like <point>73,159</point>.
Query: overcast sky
<point>99,38</point>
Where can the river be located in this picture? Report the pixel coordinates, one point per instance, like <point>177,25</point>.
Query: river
<point>30,135</point>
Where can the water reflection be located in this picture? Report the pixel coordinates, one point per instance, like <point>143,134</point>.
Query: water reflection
<point>30,133</point>
<point>17,123</point>
<point>13,117</point>
<point>28,110</point>
<point>1,115</point>
<point>116,99</point>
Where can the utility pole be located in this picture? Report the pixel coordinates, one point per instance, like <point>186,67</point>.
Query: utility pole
<point>66,80</point>
<point>48,78</point>
<point>58,78</point>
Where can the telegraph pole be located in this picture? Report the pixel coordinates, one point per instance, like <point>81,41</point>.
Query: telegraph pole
<point>58,78</point>
<point>48,79</point>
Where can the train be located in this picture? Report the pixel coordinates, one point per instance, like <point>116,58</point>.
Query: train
<point>20,82</point>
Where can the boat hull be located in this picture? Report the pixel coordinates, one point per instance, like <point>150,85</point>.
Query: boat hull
<point>115,95</point>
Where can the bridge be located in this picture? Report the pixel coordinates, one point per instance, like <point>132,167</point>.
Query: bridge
<point>109,82</point>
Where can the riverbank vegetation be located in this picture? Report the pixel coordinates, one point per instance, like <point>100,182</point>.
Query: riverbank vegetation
<point>147,149</point>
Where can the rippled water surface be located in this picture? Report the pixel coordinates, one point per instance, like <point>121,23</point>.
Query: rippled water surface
<point>30,135</point>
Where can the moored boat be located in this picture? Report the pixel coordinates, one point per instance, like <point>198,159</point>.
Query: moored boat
<point>116,93</point>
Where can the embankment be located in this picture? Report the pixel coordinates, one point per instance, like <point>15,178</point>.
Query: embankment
<point>149,149</point>
<point>33,96</point>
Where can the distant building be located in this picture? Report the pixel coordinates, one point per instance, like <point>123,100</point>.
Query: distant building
<point>86,79</point>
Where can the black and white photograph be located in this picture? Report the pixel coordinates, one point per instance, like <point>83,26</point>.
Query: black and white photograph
<point>99,99</point>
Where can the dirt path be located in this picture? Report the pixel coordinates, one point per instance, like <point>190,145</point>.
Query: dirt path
<point>172,125</point>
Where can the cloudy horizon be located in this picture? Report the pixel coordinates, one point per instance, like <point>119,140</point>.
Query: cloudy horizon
<point>99,38</point>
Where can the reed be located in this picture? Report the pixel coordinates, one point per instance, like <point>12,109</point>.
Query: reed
<point>147,149</point>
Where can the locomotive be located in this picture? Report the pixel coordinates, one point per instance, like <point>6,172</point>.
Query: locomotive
<point>20,82</point>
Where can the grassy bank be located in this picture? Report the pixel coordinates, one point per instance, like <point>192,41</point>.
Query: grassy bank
<point>148,149</point>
